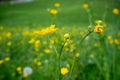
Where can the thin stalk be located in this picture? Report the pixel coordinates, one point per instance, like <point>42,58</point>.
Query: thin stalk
<point>73,63</point>
<point>59,58</point>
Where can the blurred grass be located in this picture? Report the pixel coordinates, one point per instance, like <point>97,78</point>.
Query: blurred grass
<point>71,13</point>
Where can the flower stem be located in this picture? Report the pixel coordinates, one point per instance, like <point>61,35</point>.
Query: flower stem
<point>59,58</point>
<point>74,59</point>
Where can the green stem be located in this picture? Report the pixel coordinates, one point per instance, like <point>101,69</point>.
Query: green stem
<point>59,58</point>
<point>73,63</point>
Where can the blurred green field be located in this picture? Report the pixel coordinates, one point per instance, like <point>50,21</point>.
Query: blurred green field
<point>29,46</point>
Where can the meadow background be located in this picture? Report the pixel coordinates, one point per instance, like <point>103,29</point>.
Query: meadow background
<point>26,55</point>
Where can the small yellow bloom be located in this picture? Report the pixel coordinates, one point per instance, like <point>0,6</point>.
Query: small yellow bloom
<point>67,36</point>
<point>25,75</point>
<point>31,41</point>
<point>53,11</point>
<point>35,61</point>
<point>85,5</point>
<point>57,5</point>
<point>1,61</point>
<point>98,21</point>
<point>47,51</point>
<point>77,54</point>
<point>9,43</point>
<point>111,41</point>
<point>98,29</point>
<point>19,70</point>
<point>7,58</point>
<point>115,11</point>
<point>39,63</point>
<point>8,34</point>
<point>109,37</point>
<point>68,65</point>
<point>116,41</point>
<point>44,42</point>
<point>64,71</point>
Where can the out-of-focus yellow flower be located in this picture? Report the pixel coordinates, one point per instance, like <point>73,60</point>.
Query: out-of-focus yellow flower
<point>25,75</point>
<point>64,71</point>
<point>19,70</point>
<point>48,51</point>
<point>1,61</point>
<point>53,11</point>
<point>109,37</point>
<point>9,43</point>
<point>44,42</point>
<point>115,11</point>
<point>57,5</point>
<point>7,58</point>
<point>98,21</point>
<point>68,65</point>
<point>67,36</point>
<point>8,35</point>
<point>39,63</point>
<point>77,54</point>
<point>111,41</point>
<point>98,29</point>
<point>51,41</point>
<point>91,55</point>
<point>31,41</point>
<point>35,61</point>
<point>116,41</point>
<point>45,31</point>
<point>85,5</point>
<point>118,34</point>
<point>37,45</point>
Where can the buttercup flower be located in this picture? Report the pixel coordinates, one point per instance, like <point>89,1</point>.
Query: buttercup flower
<point>85,5</point>
<point>7,58</point>
<point>1,61</point>
<point>64,71</point>
<point>115,11</point>
<point>98,29</point>
<point>53,11</point>
<point>67,36</point>
<point>57,5</point>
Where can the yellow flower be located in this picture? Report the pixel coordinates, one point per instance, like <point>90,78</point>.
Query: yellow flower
<point>85,5</point>
<point>19,70</point>
<point>47,51</point>
<point>53,11</point>
<point>109,37</point>
<point>111,41</point>
<point>64,71</point>
<point>25,75</point>
<point>39,63</point>
<point>115,11</point>
<point>9,43</point>
<point>8,34</point>
<point>31,41</point>
<point>67,36</point>
<point>7,58</point>
<point>1,61</point>
<point>35,61</point>
<point>44,42</point>
<point>45,31</point>
<point>77,54</point>
<point>98,29</point>
<point>98,21</point>
<point>68,65</point>
<point>117,41</point>
<point>57,5</point>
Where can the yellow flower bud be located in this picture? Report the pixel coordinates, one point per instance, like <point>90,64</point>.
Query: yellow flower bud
<point>67,36</point>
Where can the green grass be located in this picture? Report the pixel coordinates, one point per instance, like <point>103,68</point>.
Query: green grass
<point>35,13</point>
